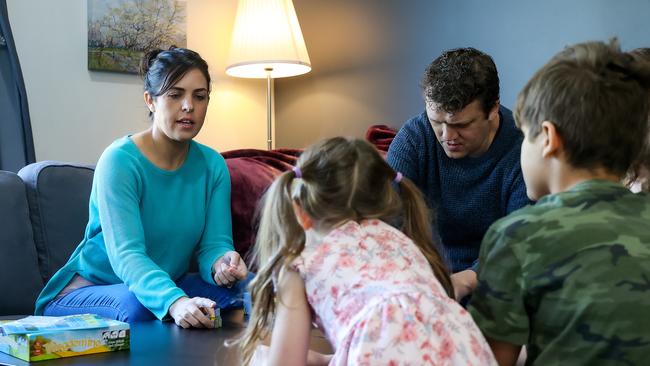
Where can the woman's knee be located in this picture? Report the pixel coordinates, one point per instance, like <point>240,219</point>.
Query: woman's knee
<point>130,309</point>
<point>110,301</point>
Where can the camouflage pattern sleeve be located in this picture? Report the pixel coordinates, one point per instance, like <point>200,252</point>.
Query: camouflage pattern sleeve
<point>497,305</point>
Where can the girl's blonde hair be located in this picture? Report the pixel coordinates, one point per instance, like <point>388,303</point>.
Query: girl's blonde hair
<point>342,179</point>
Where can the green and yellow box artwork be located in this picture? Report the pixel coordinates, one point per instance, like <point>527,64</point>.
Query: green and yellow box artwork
<point>69,336</point>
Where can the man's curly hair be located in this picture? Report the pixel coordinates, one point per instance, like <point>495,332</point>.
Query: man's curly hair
<point>458,77</point>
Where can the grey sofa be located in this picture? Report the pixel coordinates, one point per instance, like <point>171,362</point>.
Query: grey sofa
<point>43,213</point>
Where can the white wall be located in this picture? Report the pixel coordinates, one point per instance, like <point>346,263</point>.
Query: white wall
<point>76,113</point>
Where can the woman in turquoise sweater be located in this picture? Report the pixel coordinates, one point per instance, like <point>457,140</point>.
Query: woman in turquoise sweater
<point>157,197</point>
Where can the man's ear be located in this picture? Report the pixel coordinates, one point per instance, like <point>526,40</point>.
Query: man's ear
<point>552,144</point>
<point>303,218</point>
<point>494,111</point>
<point>148,100</point>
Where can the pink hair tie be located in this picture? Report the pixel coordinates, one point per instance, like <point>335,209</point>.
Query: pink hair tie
<point>398,178</point>
<point>297,171</point>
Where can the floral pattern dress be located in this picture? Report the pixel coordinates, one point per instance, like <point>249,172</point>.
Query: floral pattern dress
<point>376,298</point>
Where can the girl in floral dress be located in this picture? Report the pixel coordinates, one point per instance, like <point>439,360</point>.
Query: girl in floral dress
<point>328,255</point>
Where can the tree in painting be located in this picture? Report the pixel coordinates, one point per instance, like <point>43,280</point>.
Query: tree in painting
<point>121,31</point>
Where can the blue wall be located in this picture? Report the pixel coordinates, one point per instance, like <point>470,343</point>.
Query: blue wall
<point>522,35</point>
<point>368,55</point>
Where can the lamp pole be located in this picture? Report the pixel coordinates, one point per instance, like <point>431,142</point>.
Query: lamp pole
<point>269,96</point>
<point>267,43</point>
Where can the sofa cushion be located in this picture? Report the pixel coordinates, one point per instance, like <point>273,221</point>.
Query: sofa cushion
<point>58,195</point>
<point>250,179</point>
<point>251,173</point>
<point>381,136</point>
<point>20,279</point>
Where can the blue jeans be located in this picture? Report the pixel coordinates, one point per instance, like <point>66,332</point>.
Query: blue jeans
<point>117,302</point>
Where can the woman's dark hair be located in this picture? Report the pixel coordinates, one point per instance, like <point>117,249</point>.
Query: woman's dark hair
<point>161,69</point>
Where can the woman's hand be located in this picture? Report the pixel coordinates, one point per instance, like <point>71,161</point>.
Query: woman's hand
<point>229,269</point>
<point>194,312</point>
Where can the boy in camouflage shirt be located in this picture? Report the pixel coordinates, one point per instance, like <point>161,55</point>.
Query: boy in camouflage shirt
<point>570,276</point>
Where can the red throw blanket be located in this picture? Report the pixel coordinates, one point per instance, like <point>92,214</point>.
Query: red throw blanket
<point>381,136</point>
<point>252,171</point>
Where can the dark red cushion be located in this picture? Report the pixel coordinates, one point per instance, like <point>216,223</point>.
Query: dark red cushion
<point>251,173</point>
<point>381,136</point>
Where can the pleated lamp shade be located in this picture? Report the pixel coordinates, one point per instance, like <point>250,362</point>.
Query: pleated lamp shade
<point>267,37</point>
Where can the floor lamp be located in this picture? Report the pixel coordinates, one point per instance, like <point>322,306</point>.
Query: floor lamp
<point>266,44</point>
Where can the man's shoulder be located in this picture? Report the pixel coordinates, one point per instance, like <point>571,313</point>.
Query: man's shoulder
<point>506,113</point>
<point>414,137</point>
<point>511,132</point>
<point>416,126</point>
<point>508,144</point>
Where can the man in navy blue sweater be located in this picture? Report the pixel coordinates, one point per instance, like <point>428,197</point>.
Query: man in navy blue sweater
<point>463,153</point>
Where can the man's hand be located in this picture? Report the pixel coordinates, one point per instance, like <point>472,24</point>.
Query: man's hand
<point>229,269</point>
<point>464,282</point>
<point>193,313</point>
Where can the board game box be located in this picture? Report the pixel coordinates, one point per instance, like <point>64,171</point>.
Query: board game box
<point>37,338</point>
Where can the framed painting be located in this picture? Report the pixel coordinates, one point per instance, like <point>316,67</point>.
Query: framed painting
<point>121,31</point>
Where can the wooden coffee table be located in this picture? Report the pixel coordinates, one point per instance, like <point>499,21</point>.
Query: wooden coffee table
<point>164,343</point>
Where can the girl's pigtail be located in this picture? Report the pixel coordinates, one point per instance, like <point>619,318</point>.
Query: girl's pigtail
<point>417,226</point>
<point>280,239</point>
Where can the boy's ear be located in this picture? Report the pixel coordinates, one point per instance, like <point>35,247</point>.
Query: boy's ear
<point>303,218</point>
<point>552,144</point>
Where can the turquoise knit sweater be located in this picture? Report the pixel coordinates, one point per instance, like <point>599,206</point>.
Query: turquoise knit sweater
<point>145,223</point>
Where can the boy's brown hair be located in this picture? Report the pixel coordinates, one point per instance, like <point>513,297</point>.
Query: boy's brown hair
<point>639,173</point>
<point>597,98</point>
